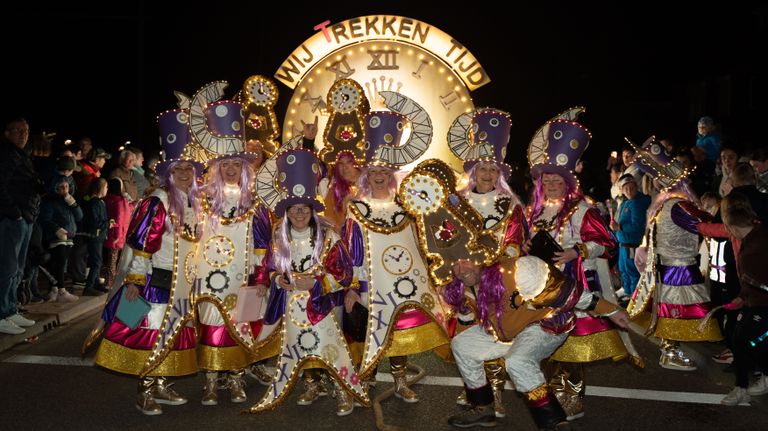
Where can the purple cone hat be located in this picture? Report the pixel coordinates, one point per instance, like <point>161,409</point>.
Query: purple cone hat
<point>225,119</point>
<point>654,160</point>
<point>174,137</point>
<point>298,173</point>
<point>565,143</point>
<point>490,138</point>
<point>382,128</point>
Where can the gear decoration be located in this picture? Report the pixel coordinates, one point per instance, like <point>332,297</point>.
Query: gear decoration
<point>405,287</point>
<point>502,204</point>
<point>363,207</point>
<point>491,221</point>
<point>427,300</point>
<point>330,353</point>
<point>308,340</point>
<point>380,221</point>
<point>398,217</point>
<point>219,251</point>
<point>345,129</point>
<point>217,281</point>
<point>230,302</point>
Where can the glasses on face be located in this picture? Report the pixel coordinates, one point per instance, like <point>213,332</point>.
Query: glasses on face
<point>299,210</point>
<point>19,130</point>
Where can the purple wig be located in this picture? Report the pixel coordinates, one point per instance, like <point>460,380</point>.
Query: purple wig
<point>491,292</point>
<point>364,184</point>
<point>214,189</point>
<point>680,189</point>
<point>282,257</point>
<point>176,200</point>
<point>340,186</point>
<point>572,194</point>
<point>501,183</point>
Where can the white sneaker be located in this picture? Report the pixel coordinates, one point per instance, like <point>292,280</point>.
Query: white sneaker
<point>620,292</point>
<point>760,387</point>
<point>736,396</point>
<point>8,327</point>
<point>65,296</point>
<point>20,320</point>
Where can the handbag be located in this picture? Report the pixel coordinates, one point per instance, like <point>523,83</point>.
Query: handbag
<point>131,313</point>
<point>544,246</point>
<point>355,323</point>
<point>249,305</point>
<point>161,278</point>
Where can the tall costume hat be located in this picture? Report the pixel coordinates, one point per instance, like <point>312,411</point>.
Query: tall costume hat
<point>298,173</point>
<point>216,125</point>
<point>259,96</point>
<point>481,136</point>
<point>557,146</point>
<point>174,138</point>
<point>384,132</point>
<point>654,160</point>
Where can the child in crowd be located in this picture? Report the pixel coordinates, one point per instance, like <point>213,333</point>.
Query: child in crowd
<point>59,215</point>
<point>95,226</point>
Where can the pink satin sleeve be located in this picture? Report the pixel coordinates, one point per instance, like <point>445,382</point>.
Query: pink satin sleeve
<point>593,229</point>
<point>145,231</point>
<point>515,233</point>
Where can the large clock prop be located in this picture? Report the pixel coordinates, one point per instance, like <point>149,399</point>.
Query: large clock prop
<point>383,53</point>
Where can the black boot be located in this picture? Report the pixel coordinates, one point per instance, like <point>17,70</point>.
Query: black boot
<point>546,411</point>
<point>481,413</point>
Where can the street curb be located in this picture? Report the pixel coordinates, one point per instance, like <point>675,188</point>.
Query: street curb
<point>48,315</point>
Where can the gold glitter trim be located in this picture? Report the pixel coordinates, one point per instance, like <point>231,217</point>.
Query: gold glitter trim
<point>687,330</point>
<point>537,394</point>
<point>223,358</point>
<point>125,360</point>
<point>272,348</point>
<point>416,340</point>
<point>139,279</point>
<point>141,253</point>
<point>593,347</point>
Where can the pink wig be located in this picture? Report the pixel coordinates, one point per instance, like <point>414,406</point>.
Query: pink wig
<point>572,194</point>
<point>340,186</point>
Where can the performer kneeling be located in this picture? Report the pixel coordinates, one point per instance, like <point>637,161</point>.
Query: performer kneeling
<point>527,309</point>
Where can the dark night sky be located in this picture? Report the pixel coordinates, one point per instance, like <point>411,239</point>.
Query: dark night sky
<point>639,68</point>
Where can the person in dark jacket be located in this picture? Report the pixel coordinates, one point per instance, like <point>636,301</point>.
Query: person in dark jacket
<point>59,216</point>
<point>95,228</point>
<point>19,205</point>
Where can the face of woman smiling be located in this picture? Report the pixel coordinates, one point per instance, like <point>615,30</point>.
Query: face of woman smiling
<point>486,176</point>
<point>231,169</point>
<point>299,215</point>
<point>183,175</point>
<point>554,186</point>
<point>379,179</point>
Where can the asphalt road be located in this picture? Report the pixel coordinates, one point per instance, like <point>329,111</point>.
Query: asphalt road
<point>45,385</point>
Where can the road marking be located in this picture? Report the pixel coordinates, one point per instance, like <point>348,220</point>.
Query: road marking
<point>50,360</point>
<point>599,391</point>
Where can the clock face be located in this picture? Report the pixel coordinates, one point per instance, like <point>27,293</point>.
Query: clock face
<point>345,98</point>
<point>397,260</point>
<point>383,66</point>
<point>260,91</point>
<point>423,194</point>
<point>297,310</point>
<point>219,251</point>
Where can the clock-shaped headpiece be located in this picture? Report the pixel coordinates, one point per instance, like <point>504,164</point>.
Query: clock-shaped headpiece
<point>481,136</point>
<point>174,138</point>
<point>298,173</point>
<point>557,147</point>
